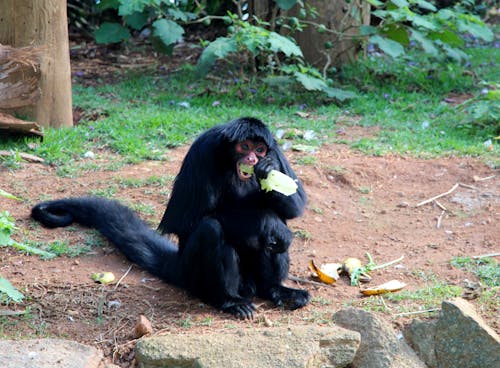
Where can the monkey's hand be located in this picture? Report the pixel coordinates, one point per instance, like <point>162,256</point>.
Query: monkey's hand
<point>265,166</point>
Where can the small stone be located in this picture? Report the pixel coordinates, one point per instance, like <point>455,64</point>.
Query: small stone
<point>142,327</point>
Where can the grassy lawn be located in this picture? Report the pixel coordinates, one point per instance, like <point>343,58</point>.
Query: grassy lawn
<point>141,115</point>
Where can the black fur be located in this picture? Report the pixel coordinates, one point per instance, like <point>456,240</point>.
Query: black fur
<point>233,237</point>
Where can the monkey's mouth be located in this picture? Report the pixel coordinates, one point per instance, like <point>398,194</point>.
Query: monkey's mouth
<point>242,174</point>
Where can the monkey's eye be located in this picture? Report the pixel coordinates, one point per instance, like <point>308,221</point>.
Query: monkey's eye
<point>261,150</point>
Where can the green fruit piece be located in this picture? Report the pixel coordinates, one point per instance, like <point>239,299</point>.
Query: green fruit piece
<point>103,277</point>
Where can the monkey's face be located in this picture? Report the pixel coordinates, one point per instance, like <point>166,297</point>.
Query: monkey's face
<point>248,153</point>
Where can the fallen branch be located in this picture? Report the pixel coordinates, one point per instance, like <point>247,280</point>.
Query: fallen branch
<point>440,205</point>
<point>477,178</point>
<point>121,278</point>
<point>440,218</point>
<point>486,255</point>
<point>25,156</point>
<point>14,125</point>
<point>298,279</point>
<point>417,312</point>
<point>4,312</point>
<point>387,264</point>
<point>439,195</point>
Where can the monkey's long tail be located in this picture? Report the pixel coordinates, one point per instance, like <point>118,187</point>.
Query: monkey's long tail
<point>120,226</point>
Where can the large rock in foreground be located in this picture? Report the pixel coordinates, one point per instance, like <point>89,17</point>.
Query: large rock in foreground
<point>48,353</point>
<point>380,347</point>
<point>463,339</point>
<point>301,346</point>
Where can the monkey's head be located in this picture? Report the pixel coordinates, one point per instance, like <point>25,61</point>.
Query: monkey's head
<point>249,141</point>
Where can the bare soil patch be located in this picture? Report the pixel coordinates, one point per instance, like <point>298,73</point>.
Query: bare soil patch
<point>357,204</point>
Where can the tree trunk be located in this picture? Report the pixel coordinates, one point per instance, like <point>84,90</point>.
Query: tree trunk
<point>43,24</point>
<point>344,18</point>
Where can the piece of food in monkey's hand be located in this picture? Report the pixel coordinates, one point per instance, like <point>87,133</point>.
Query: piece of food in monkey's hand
<point>103,277</point>
<point>275,180</point>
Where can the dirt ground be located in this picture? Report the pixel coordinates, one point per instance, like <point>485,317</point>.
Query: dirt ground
<point>357,204</point>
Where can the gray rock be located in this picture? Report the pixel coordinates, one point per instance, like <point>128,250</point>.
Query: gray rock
<point>301,346</point>
<point>48,353</point>
<point>380,347</point>
<point>420,336</point>
<point>463,339</point>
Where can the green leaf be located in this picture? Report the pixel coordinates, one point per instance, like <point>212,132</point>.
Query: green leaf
<point>129,7</point>
<point>476,29</point>
<point>454,53</point>
<point>111,33</point>
<point>422,4</point>
<point>136,20</point>
<point>340,94</point>
<point>396,32</point>
<point>7,288</point>
<point>280,43</point>
<point>448,37</point>
<point>423,22</point>
<point>426,43</point>
<point>367,30</point>
<point>375,3</point>
<point>217,49</point>
<point>400,3</point>
<point>168,31</point>
<point>309,82</point>
<point>389,47</point>
<point>286,4</point>
<point>181,15</point>
<point>5,194</point>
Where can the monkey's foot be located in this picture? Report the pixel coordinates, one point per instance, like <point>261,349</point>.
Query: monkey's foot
<point>242,309</point>
<point>288,297</point>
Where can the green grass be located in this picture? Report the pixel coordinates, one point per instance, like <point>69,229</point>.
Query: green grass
<point>141,116</point>
<point>486,269</point>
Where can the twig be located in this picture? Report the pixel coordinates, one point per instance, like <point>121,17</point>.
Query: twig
<point>476,178</point>
<point>5,312</point>
<point>440,218</point>
<point>467,186</point>
<point>440,205</point>
<point>383,265</point>
<point>438,196</point>
<point>121,278</point>
<point>486,255</point>
<point>417,312</point>
<point>298,279</point>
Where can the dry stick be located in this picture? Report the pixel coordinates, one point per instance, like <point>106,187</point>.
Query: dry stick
<point>486,255</point>
<point>417,312</point>
<point>438,196</point>
<point>298,279</point>
<point>121,278</point>
<point>467,186</point>
<point>440,205</point>
<point>440,218</point>
<point>387,264</point>
<point>486,178</point>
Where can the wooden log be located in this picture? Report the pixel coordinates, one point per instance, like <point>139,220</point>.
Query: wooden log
<point>10,124</point>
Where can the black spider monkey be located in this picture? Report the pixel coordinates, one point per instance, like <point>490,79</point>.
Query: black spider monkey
<point>232,236</point>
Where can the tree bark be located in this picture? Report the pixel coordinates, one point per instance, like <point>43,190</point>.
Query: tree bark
<point>342,17</point>
<point>43,24</point>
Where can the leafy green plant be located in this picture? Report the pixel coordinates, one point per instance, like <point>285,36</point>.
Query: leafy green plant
<point>436,32</point>
<point>487,269</point>
<point>483,110</point>
<point>7,228</point>
<point>163,16</point>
